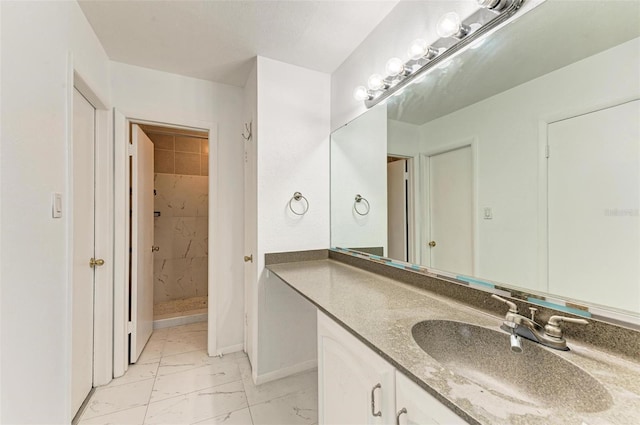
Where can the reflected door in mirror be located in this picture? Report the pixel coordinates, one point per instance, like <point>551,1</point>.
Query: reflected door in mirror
<point>450,211</point>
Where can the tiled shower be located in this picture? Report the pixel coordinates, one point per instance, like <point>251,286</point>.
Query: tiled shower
<point>180,224</point>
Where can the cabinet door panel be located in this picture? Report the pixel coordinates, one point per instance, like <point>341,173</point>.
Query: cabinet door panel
<point>422,408</point>
<point>348,371</point>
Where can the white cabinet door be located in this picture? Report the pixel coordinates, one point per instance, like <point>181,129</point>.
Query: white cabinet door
<point>350,378</point>
<point>420,407</point>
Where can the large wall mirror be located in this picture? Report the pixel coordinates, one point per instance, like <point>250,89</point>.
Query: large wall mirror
<point>517,162</point>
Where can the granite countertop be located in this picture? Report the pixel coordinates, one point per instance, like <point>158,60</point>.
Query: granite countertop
<point>381,312</point>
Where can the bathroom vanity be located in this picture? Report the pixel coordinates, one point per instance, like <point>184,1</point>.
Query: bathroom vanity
<point>399,347</point>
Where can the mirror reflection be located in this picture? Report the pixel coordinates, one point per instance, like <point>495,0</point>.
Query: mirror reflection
<point>516,162</point>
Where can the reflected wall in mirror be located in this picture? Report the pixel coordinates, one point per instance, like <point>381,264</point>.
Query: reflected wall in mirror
<point>517,163</point>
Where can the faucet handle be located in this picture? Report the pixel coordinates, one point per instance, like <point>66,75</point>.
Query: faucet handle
<point>553,329</point>
<point>513,308</point>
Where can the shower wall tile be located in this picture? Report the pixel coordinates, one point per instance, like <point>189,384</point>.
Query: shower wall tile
<point>162,141</point>
<point>181,233</point>
<point>204,165</point>
<point>182,196</point>
<point>187,144</point>
<point>163,237</point>
<point>187,163</point>
<point>180,278</point>
<point>163,161</point>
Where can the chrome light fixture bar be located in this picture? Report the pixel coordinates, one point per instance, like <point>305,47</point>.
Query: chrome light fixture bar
<point>455,35</point>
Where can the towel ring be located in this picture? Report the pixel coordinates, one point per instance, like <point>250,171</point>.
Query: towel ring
<point>360,199</point>
<point>297,196</point>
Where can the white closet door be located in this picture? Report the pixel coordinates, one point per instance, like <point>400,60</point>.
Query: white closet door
<point>82,225</point>
<point>451,211</point>
<point>593,201</point>
<point>142,242</point>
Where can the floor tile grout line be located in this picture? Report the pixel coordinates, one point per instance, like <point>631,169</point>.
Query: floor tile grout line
<point>155,379</point>
<point>83,419</point>
<point>197,391</point>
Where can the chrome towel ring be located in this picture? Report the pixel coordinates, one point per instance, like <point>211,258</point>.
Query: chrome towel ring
<point>359,200</point>
<point>297,196</point>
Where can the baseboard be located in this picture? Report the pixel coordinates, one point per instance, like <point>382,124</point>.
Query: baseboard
<point>230,349</point>
<point>287,371</point>
<point>180,320</point>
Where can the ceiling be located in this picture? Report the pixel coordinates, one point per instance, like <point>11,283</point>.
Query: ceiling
<point>217,40</point>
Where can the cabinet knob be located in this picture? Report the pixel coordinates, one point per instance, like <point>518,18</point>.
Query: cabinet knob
<point>432,244</point>
<point>400,413</point>
<point>373,401</point>
<point>248,258</point>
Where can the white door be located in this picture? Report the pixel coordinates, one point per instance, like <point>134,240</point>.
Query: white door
<point>594,204</point>
<point>82,227</point>
<point>450,216</point>
<point>141,243</point>
<point>250,243</point>
<point>397,210</point>
<point>355,385</point>
<point>414,406</point>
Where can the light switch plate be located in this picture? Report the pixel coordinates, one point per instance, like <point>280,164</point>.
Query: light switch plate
<point>56,205</point>
<point>488,214</point>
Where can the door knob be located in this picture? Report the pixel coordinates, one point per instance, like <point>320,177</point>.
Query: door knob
<point>96,262</point>
<point>432,244</point>
<point>248,258</point>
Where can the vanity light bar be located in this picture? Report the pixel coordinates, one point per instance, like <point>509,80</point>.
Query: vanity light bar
<point>455,34</point>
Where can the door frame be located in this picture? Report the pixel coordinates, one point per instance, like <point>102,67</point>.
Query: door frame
<point>424,205</point>
<point>411,209</point>
<point>103,278</point>
<point>122,121</point>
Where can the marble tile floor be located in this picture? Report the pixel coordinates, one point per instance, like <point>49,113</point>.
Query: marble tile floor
<point>175,382</point>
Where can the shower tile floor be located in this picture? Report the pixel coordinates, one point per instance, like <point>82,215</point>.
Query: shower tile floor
<point>175,382</point>
<point>177,308</point>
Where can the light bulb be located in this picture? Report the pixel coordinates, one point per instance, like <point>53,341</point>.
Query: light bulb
<point>450,25</point>
<point>394,67</point>
<point>361,93</point>
<point>375,82</point>
<point>418,48</point>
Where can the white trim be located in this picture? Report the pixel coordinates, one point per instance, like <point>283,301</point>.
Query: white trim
<point>121,251</point>
<point>231,349</point>
<point>120,243</point>
<point>284,372</point>
<point>472,142</point>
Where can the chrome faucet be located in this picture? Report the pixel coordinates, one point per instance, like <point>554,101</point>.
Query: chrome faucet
<point>519,325</point>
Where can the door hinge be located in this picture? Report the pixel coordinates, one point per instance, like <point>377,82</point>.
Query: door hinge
<point>131,149</point>
<point>547,151</point>
<point>129,327</point>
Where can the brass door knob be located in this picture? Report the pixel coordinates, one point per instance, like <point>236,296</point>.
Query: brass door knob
<point>432,244</point>
<point>96,262</point>
<point>248,258</point>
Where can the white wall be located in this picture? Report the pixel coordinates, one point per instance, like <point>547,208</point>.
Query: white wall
<point>293,155</point>
<point>359,166</point>
<point>35,335</point>
<point>170,98</point>
<point>507,130</point>
<point>403,139</point>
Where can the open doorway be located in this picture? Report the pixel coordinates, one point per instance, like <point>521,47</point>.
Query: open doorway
<point>181,225</point>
